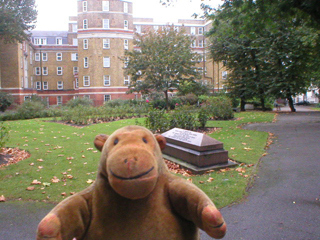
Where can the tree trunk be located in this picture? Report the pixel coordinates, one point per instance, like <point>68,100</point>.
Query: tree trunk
<point>242,105</point>
<point>263,105</point>
<point>167,100</point>
<point>290,102</point>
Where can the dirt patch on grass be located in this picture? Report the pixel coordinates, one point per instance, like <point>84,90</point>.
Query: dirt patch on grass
<point>12,155</point>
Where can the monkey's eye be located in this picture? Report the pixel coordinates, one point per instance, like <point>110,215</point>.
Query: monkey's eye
<point>144,140</point>
<point>116,141</point>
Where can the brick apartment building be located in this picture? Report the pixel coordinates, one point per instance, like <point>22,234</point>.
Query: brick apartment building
<point>85,60</point>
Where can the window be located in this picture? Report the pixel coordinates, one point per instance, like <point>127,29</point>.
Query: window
<point>85,62</point>
<point>200,30</point>
<point>45,86</point>
<point>201,43</point>
<point>126,24</point>
<point>45,71</point>
<point>59,70</point>
<point>85,23</point>
<point>44,56</point>
<point>59,40</point>
<point>74,27</point>
<point>86,81</point>
<point>37,71</point>
<point>60,85</point>
<point>224,75</point>
<point>85,43</point>
<point>40,41</point>
<point>74,56</point>
<point>155,28</point>
<point>126,80</point>
<point>126,62</point>
<point>75,70</point>
<point>126,44</point>
<point>106,43</point>
<point>105,6</point>
<point>59,100</point>
<point>84,6</point>
<point>193,44</point>
<point>106,61</point>
<point>38,85</point>
<point>37,57</point>
<point>193,31</point>
<point>105,24</point>
<point>138,28</point>
<point>176,28</point>
<point>75,41</point>
<point>106,80</point>
<point>59,56</point>
<point>77,83</point>
<point>125,7</point>
<point>107,98</point>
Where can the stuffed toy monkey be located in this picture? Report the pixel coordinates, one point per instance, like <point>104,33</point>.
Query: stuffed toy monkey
<point>134,197</point>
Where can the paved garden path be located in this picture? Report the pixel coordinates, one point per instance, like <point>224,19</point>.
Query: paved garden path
<point>283,202</point>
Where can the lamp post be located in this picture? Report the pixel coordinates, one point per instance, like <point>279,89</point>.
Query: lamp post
<point>41,68</point>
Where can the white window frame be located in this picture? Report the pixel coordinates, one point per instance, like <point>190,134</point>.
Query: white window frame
<point>59,56</point>
<point>84,6</point>
<point>37,57</point>
<point>59,71</point>
<point>86,81</point>
<point>138,29</point>
<point>37,71</point>
<point>200,30</point>
<point>45,85</point>
<point>38,85</point>
<point>126,62</point>
<point>74,57</point>
<point>155,28</point>
<point>193,30</point>
<point>85,43</point>
<point>86,62</point>
<point>125,7</point>
<point>224,75</point>
<point>59,40</point>
<point>106,80</point>
<point>75,70</point>
<point>106,62</point>
<point>126,24</point>
<point>44,56</point>
<point>40,41</point>
<point>105,6</point>
<point>126,81</point>
<point>105,23</point>
<point>106,43</point>
<point>74,41</point>
<point>45,71</point>
<point>60,85</point>
<point>74,27</point>
<point>200,43</point>
<point>59,100</point>
<point>77,82</point>
<point>107,97</point>
<point>85,23</point>
<point>126,44</point>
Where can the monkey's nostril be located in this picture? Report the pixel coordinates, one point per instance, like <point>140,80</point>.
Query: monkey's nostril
<point>126,160</point>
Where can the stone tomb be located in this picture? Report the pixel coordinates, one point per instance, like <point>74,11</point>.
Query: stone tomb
<point>195,151</point>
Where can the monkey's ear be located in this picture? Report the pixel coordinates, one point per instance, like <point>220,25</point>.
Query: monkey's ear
<point>99,141</point>
<point>161,140</point>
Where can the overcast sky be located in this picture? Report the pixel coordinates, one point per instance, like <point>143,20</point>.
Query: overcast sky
<point>54,14</point>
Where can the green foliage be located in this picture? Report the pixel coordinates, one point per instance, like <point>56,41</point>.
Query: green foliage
<point>16,19</point>
<point>4,134</point>
<point>183,118</point>
<point>194,87</point>
<point>189,99</point>
<point>5,101</point>
<point>218,108</point>
<point>32,108</point>
<point>79,102</point>
<point>163,61</point>
<point>203,117</point>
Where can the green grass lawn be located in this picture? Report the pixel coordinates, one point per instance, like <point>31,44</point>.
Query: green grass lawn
<point>63,159</point>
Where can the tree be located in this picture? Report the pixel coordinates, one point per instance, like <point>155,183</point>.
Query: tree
<point>269,52</point>
<point>5,101</point>
<point>163,59</point>
<point>16,18</point>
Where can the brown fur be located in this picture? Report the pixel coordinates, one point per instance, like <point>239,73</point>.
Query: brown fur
<point>133,197</point>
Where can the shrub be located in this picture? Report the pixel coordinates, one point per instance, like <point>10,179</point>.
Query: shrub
<point>203,117</point>
<point>5,101</point>
<point>79,102</point>
<point>190,99</point>
<point>33,108</point>
<point>182,119</point>
<point>4,134</point>
<point>219,108</point>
